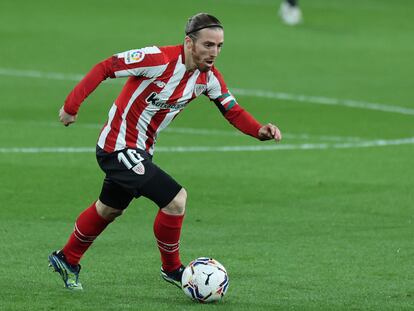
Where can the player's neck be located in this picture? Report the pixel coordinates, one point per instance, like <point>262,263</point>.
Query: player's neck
<point>188,61</point>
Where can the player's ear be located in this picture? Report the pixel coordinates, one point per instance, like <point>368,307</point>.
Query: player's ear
<point>188,42</point>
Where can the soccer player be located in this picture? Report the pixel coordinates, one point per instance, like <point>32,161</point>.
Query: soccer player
<point>162,81</point>
<point>290,12</point>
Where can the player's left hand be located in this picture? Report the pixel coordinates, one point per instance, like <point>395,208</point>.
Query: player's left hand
<point>270,131</point>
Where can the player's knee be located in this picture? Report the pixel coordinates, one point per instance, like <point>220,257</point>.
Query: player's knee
<point>177,205</point>
<point>107,212</point>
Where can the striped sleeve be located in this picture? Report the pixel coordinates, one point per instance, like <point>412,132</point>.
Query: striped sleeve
<point>218,92</point>
<point>149,62</point>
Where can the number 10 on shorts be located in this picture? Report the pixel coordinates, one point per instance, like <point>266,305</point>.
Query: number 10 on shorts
<point>132,161</point>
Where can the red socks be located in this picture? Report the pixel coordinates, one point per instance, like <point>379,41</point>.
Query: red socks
<point>167,229</point>
<point>87,228</point>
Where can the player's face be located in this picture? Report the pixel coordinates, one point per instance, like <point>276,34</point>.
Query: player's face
<point>206,48</point>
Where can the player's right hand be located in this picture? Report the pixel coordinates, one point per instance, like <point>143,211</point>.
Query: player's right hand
<point>66,118</point>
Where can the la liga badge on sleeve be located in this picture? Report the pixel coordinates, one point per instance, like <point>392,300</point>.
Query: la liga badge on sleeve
<point>134,56</point>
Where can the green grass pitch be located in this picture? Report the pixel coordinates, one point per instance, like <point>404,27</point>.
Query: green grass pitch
<point>327,223</point>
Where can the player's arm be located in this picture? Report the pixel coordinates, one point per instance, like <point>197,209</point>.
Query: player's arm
<point>235,114</point>
<point>143,62</point>
<point>244,121</point>
<point>247,124</point>
<point>86,86</point>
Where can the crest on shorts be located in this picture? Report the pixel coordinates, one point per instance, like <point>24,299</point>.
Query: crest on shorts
<point>139,169</point>
<point>134,56</point>
<point>199,89</point>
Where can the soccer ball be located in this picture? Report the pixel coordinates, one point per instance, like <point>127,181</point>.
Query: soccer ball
<point>205,280</point>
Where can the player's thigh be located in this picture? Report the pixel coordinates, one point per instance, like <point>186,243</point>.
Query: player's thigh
<point>161,188</point>
<point>135,173</point>
<point>114,195</point>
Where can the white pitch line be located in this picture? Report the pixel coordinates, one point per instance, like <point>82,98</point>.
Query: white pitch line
<point>40,74</point>
<point>190,131</point>
<point>324,101</point>
<point>246,92</point>
<point>362,144</point>
<point>209,132</point>
<point>47,150</point>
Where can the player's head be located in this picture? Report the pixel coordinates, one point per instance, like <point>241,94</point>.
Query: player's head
<point>204,39</point>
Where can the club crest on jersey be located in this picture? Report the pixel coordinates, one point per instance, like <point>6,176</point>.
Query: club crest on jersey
<point>134,56</point>
<point>160,84</point>
<point>199,89</point>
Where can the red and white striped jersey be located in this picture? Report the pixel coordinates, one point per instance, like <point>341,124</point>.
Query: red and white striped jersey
<point>158,88</point>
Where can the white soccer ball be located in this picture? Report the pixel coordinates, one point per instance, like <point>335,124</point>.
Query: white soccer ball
<point>205,280</point>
